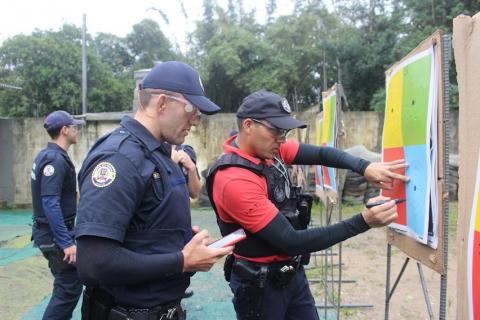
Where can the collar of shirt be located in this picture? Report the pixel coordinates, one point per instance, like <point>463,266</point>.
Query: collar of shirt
<point>228,147</point>
<point>142,134</point>
<point>54,146</point>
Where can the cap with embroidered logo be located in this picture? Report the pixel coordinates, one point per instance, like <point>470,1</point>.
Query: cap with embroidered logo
<point>179,77</point>
<point>269,106</point>
<point>58,119</point>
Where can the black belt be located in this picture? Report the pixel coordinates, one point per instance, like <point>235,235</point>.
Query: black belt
<point>99,304</point>
<point>168,311</point>
<point>289,265</point>
<point>278,273</point>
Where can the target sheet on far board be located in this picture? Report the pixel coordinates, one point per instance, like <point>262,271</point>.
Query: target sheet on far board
<point>410,132</point>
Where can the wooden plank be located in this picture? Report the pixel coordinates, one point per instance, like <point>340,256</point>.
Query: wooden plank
<point>466,44</point>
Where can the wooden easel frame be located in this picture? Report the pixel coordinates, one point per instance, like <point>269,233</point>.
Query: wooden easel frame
<point>436,259</point>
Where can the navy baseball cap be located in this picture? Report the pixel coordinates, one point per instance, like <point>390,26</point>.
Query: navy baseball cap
<point>179,77</point>
<point>271,107</point>
<point>58,119</point>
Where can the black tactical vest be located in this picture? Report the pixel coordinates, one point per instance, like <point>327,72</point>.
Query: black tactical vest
<point>280,192</point>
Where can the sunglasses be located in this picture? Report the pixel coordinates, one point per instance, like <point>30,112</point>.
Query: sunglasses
<point>188,107</point>
<point>277,132</point>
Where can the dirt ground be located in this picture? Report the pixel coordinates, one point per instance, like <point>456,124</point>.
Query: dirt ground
<point>25,282</point>
<point>365,260</point>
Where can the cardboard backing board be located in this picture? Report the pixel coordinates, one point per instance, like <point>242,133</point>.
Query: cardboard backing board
<point>338,140</point>
<point>432,258</point>
<point>466,47</point>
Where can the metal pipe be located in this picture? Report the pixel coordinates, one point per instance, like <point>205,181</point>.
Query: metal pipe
<point>84,65</point>
<point>425,291</point>
<point>447,57</point>
<point>317,280</point>
<point>399,277</point>
<point>387,286</point>
<point>353,305</point>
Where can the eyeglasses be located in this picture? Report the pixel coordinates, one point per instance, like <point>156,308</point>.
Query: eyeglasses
<point>188,107</point>
<point>280,133</point>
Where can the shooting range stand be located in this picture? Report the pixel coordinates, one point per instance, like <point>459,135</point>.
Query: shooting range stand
<point>331,262</point>
<point>435,259</point>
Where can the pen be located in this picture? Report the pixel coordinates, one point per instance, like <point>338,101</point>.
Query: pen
<point>373,204</point>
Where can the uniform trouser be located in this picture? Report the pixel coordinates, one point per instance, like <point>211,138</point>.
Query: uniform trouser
<point>295,302</point>
<point>66,285</point>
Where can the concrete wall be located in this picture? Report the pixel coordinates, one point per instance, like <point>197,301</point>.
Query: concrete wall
<point>22,139</point>
<point>6,160</point>
<point>359,128</point>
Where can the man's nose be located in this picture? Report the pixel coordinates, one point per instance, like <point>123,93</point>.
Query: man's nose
<point>281,138</point>
<point>195,119</point>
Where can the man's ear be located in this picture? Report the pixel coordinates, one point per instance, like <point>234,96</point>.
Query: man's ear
<point>247,125</point>
<point>64,130</point>
<point>161,104</point>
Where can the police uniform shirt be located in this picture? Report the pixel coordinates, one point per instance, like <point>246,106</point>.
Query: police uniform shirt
<point>193,156</point>
<point>53,174</point>
<point>132,192</point>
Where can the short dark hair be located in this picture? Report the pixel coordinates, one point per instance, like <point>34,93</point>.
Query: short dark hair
<point>144,95</point>
<point>54,133</point>
<point>240,123</point>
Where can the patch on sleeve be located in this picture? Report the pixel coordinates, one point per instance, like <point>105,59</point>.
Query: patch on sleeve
<point>48,170</point>
<point>103,175</point>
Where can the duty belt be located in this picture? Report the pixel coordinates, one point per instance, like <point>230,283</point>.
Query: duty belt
<point>98,304</point>
<point>168,312</point>
<point>278,274</point>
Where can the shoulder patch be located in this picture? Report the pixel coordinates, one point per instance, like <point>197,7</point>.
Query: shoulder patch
<point>48,170</point>
<point>103,175</point>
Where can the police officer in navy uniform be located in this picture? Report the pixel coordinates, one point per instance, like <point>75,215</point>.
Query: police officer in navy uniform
<point>54,198</point>
<point>136,246</point>
<point>186,157</point>
<point>265,272</point>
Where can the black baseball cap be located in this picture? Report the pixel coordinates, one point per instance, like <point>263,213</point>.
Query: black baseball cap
<point>270,106</point>
<point>58,119</point>
<point>179,77</point>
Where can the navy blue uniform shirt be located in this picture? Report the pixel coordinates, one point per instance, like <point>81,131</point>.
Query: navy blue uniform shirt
<point>53,174</point>
<point>132,192</point>
<point>54,192</point>
<point>192,154</point>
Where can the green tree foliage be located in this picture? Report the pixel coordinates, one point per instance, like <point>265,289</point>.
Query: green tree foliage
<point>47,65</point>
<point>114,52</point>
<point>365,48</point>
<point>299,42</point>
<point>148,44</point>
<point>355,41</point>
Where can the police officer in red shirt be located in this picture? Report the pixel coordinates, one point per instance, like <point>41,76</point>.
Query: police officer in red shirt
<point>250,187</point>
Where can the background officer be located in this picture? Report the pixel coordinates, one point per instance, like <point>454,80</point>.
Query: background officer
<point>267,277</point>
<point>54,198</point>
<point>186,157</point>
<point>136,252</point>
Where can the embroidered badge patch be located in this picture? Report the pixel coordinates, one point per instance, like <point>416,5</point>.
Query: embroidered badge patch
<point>201,84</point>
<point>103,175</point>
<point>286,106</point>
<point>48,170</point>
